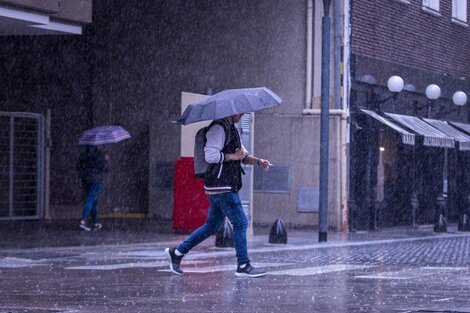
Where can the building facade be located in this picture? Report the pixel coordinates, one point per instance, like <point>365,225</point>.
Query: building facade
<point>132,61</point>
<point>392,180</point>
<point>130,66</point>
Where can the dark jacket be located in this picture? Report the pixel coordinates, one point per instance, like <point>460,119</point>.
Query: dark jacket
<point>91,166</point>
<point>225,176</point>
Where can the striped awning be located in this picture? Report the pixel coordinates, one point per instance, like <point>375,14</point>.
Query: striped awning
<point>462,126</point>
<point>432,136</point>
<point>444,127</point>
<point>406,137</point>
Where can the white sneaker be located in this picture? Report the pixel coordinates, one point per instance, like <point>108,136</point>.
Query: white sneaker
<point>84,226</point>
<point>97,226</point>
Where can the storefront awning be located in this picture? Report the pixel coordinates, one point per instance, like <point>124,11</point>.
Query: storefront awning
<point>462,126</point>
<point>406,137</point>
<point>432,136</point>
<point>444,127</point>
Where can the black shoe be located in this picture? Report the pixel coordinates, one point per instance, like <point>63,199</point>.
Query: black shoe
<point>249,271</point>
<point>174,261</point>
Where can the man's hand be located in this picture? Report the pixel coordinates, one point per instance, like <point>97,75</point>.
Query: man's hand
<point>264,164</point>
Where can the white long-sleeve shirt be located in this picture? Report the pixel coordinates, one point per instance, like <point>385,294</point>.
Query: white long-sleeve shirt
<point>215,139</point>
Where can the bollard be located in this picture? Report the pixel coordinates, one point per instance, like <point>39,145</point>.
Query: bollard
<point>224,237</point>
<point>414,208</point>
<point>464,223</point>
<point>278,233</point>
<point>441,226</point>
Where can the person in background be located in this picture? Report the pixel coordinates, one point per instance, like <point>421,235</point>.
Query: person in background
<point>224,152</point>
<point>92,165</point>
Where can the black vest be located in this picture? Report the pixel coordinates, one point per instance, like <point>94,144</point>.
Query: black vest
<point>225,176</point>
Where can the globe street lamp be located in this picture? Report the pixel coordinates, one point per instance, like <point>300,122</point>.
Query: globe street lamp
<point>459,98</point>
<point>395,84</point>
<point>432,92</point>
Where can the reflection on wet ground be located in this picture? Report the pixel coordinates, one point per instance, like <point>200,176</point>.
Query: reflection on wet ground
<point>374,272</point>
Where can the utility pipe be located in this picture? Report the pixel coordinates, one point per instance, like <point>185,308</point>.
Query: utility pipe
<point>347,129</point>
<point>338,38</point>
<point>309,68</point>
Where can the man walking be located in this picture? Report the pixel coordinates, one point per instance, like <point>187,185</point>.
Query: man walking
<point>224,152</point>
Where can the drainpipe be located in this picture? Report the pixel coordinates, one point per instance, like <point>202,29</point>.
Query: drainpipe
<point>338,37</point>
<point>346,209</point>
<point>309,68</point>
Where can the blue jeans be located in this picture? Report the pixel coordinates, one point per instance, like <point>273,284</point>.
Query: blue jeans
<point>92,201</point>
<point>221,205</point>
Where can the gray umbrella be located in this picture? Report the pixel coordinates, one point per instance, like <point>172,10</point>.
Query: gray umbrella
<point>227,103</point>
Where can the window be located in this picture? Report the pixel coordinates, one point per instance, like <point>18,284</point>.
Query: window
<point>459,10</point>
<point>432,4</point>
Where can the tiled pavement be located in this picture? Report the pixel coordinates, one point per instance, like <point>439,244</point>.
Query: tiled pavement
<point>396,270</point>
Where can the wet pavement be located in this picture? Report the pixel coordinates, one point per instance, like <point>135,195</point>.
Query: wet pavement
<point>53,268</point>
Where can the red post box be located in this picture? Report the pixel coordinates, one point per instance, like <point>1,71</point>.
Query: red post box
<point>190,203</point>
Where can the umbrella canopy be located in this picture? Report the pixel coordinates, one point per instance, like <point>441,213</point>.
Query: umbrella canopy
<point>229,102</point>
<point>103,134</point>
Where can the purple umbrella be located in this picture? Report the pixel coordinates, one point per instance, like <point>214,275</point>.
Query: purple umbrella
<point>103,134</point>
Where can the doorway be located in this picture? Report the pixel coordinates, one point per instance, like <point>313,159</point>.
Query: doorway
<point>21,165</point>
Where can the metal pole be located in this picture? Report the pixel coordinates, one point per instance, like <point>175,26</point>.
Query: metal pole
<point>324,123</point>
<point>440,225</point>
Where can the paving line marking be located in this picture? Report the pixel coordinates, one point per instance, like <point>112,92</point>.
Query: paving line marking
<point>306,271</point>
<point>410,273</point>
<point>35,309</point>
<point>107,267</point>
<point>442,300</point>
<point>11,262</point>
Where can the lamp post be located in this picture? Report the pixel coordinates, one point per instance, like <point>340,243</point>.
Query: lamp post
<point>433,92</point>
<point>460,99</point>
<point>375,175</point>
<point>324,123</point>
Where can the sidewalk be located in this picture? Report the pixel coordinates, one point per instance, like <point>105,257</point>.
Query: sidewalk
<point>56,267</point>
<point>42,234</point>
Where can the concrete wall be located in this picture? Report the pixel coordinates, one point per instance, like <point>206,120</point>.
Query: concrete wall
<point>41,73</point>
<point>148,53</point>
